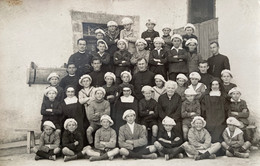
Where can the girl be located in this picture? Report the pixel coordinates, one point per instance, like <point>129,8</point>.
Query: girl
<point>193,57</point>
<point>159,88</point>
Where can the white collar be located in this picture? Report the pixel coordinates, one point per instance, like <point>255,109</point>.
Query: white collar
<point>131,126</point>
<point>214,93</point>
<point>101,54</point>
<point>197,86</point>
<point>236,132</point>
<point>169,133</point>
<point>72,75</point>
<point>179,48</point>
<point>233,101</point>
<point>158,49</point>
<point>129,99</point>
<point>82,52</point>
<point>71,100</point>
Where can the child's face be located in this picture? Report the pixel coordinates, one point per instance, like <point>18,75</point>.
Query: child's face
<point>111,28</point>
<point>215,86</point>
<point>130,118</point>
<point>140,46</point>
<point>82,45</point>
<point>147,95</point>
<point>86,82</point>
<point>176,42</point>
<point>231,127</point>
<point>236,96</point>
<point>170,90</point>
<point>96,64</point>
<point>121,45</point>
<point>142,65</point>
<point>70,92</point>
<point>128,27</point>
<point>226,78</point>
<point>192,46</point>
<point>214,48</point>
<point>51,95</point>
<point>101,47</point>
<point>109,80</point>
<point>194,81</point>
<point>48,130</point>
<point>71,126</point>
<point>150,26</point>
<point>189,31</point>
<point>99,36</point>
<point>159,83</point>
<point>180,82</point>
<point>71,69</point>
<point>198,124</point>
<point>99,95</point>
<point>166,31</point>
<point>158,45</point>
<point>54,81</point>
<point>125,78</point>
<point>126,92</point>
<point>168,128</point>
<point>203,67</point>
<point>190,98</point>
<point>105,123</point>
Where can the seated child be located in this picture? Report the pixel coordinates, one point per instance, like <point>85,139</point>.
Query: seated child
<point>159,88</point>
<point>189,30</point>
<point>193,57</point>
<point>199,143</point>
<point>51,109</point>
<point>181,80</point>
<point>105,141</point>
<point>177,58</point>
<point>199,87</point>
<point>167,37</point>
<point>72,141</point>
<point>126,78</point>
<point>168,142</point>
<point>54,79</point>
<point>206,78</point>
<point>97,74</point>
<point>190,108</point>
<point>148,112</point>
<point>132,139</point>
<point>96,109</point>
<point>128,34</point>
<point>140,53</point>
<point>150,33</point>
<point>49,145</point>
<point>122,59</point>
<point>226,77</point>
<point>158,58</point>
<point>233,140</point>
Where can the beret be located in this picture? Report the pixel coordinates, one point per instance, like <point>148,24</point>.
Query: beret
<point>159,76</point>
<point>127,112</point>
<point>168,121</point>
<point>190,91</point>
<point>182,76</point>
<point>99,31</point>
<point>100,89</point>
<point>198,118</point>
<point>49,123</point>
<point>147,88</point>
<point>50,88</point>
<point>68,121</point>
<point>226,71</point>
<point>126,21</point>
<point>235,89</point>
<point>158,39</point>
<point>233,121</point>
<point>107,117</point>
<point>110,74</point>
<point>189,25</point>
<point>102,41</point>
<point>128,73</point>
<point>166,26</point>
<point>52,75</point>
<point>123,40</point>
<point>112,23</point>
<point>176,36</point>
<point>83,77</point>
<point>191,40</point>
<point>141,41</point>
<point>151,20</point>
<point>195,75</point>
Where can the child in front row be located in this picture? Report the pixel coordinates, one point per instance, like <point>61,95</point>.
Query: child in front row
<point>54,79</point>
<point>199,87</point>
<point>181,80</point>
<point>159,87</point>
<point>105,141</point>
<point>234,144</point>
<point>49,142</point>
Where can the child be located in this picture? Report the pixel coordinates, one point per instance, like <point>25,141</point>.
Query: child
<point>193,57</point>
<point>190,108</point>
<point>199,87</point>
<point>96,109</point>
<point>105,141</point>
<point>199,145</point>
<point>103,56</point>
<point>177,58</point>
<point>181,80</point>
<point>148,112</point>
<point>54,79</point>
<point>158,58</point>
<point>126,78</point>
<point>128,34</point>
<point>99,34</point>
<point>168,142</point>
<point>150,33</point>
<point>167,45</point>
<point>226,77</point>
<point>189,30</point>
<point>233,140</point>
<point>206,78</point>
<point>121,59</point>
<point>51,109</point>
<point>72,141</point>
<point>132,139</point>
<point>97,74</point>
<point>49,142</point>
<point>159,88</point>
<point>140,53</point>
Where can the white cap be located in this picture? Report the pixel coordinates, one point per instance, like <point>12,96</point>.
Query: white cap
<point>128,73</point>
<point>168,121</point>
<point>50,88</point>
<point>176,36</point>
<point>127,112</point>
<point>195,75</point>
<point>141,41</point>
<point>99,31</point>
<point>167,26</point>
<point>53,75</point>
<point>107,117</point>
<point>182,76</point>
<point>235,89</point>
<point>189,25</point>
<point>147,88</point>
<point>110,74</point>
<point>100,89</point>
<point>83,77</point>
<point>68,121</point>
<point>190,91</point>
<point>151,20</point>
<point>158,39</point>
<point>123,40</point>
<point>198,118</point>
<point>226,71</point>
<point>191,40</point>
<point>49,123</point>
<point>102,41</point>
<point>159,76</point>
<point>112,23</point>
<point>126,21</point>
<point>233,121</point>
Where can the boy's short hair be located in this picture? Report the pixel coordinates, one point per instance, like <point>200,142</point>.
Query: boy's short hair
<point>204,61</point>
<point>214,42</point>
<point>81,39</point>
<point>139,59</point>
<point>71,63</point>
<point>95,59</point>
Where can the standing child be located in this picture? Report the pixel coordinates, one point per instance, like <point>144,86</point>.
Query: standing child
<point>150,33</point>
<point>128,34</point>
<point>206,78</point>
<point>158,58</point>
<point>190,108</point>
<point>49,145</point>
<point>177,58</point>
<point>96,109</point>
<point>159,88</point>
<point>193,57</point>
<point>168,142</point>
<point>54,79</point>
<point>105,141</point>
<point>189,30</point>
<point>226,77</point>
<point>199,87</point>
<point>97,74</point>
<point>233,140</point>
<point>181,80</point>
<point>122,59</point>
<point>167,45</point>
<point>99,36</point>
<point>148,112</point>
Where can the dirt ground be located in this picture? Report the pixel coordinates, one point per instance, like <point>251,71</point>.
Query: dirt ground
<point>28,160</point>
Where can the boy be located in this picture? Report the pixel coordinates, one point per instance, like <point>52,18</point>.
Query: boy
<point>181,80</point>
<point>226,77</point>
<point>96,109</point>
<point>233,140</point>
<point>105,141</point>
<point>177,58</point>
<point>99,34</point>
<point>167,45</point>
<point>133,140</point>
<point>111,37</point>
<point>54,79</point>
<point>150,33</point>
<point>158,58</point>
<point>168,142</point>
<point>199,87</point>
<point>148,112</point>
<point>206,78</point>
<point>194,57</point>
<point>189,30</point>
<point>97,74</point>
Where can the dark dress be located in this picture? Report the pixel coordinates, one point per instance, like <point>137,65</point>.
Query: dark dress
<point>97,78</point>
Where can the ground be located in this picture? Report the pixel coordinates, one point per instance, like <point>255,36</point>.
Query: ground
<point>28,160</point>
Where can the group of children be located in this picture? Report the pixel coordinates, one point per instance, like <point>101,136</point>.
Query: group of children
<point>99,113</point>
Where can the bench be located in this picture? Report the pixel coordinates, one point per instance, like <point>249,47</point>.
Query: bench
<point>30,138</point>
